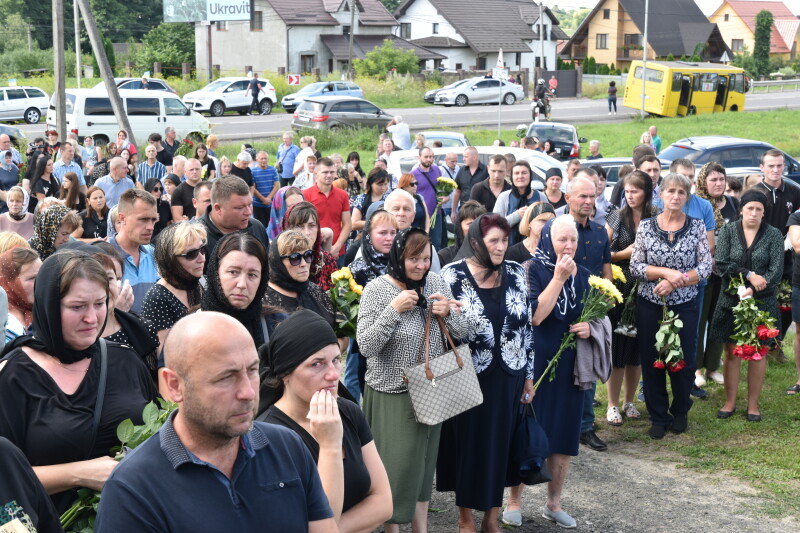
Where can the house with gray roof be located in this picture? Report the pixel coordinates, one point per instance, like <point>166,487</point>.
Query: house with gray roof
<point>300,35</point>
<point>471,33</point>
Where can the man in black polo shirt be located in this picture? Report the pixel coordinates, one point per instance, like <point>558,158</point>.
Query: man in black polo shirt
<point>472,173</point>
<point>487,191</point>
<point>181,200</point>
<point>163,155</point>
<point>211,467</point>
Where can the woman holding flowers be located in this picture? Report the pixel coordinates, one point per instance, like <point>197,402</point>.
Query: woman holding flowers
<point>476,445</point>
<point>670,256</point>
<point>753,249</point>
<point>304,216</point>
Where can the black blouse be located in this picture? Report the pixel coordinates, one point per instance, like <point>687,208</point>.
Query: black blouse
<point>52,427</point>
<point>287,303</point>
<point>161,308</point>
<point>356,435</point>
<point>518,253</point>
<point>94,227</point>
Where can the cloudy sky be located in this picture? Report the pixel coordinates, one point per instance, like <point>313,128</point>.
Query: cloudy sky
<point>708,6</point>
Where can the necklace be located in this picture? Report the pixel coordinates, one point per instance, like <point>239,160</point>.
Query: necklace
<point>67,368</point>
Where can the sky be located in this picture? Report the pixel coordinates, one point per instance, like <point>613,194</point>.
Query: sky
<point>708,6</point>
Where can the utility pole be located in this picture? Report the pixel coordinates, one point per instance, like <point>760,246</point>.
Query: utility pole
<point>59,68</point>
<point>541,36</point>
<point>352,33</point>
<point>105,68</point>
<point>644,53</point>
<point>77,18</point>
<point>30,39</point>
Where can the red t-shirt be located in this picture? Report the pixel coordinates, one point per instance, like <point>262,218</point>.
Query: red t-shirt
<point>329,208</point>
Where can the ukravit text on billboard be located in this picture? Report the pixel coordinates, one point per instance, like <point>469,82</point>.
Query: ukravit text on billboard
<point>211,10</point>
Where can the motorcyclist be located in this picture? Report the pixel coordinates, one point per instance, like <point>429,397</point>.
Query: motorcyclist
<point>542,99</point>
<point>541,90</point>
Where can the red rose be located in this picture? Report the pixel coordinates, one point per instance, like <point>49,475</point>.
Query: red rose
<point>748,350</point>
<point>762,332</point>
<point>785,308</point>
<point>772,333</point>
<point>762,351</point>
<point>738,352</point>
<point>659,364</point>
<point>678,366</point>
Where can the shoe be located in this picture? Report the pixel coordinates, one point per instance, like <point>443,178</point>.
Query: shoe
<point>753,418</point>
<point>640,396</point>
<point>595,404</point>
<point>793,390</point>
<point>699,380</point>
<point>697,392</point>
<point>631,411</point>
<point>657,432</point>
<point>248,114</point>
<point>777,354</point>
<point>512,518</point>
<point>717,377</point>
<point>559,517</point>
<point>725,414</point>
<point>613,417</point>
<point>609,113</point>
<point>590,439</point>
<point>679,424</point>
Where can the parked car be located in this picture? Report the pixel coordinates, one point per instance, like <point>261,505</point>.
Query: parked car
<point>23,103</point>
<point>154,84</point>
<point>447,138</point>
<point>612,165</point>
<point>321,88</point>
<point>17,136</point>
<point>334,112</point>
<point>740,157</point>
<point>480,91</point>
<point>564,137</point>
<point>228,94</point>
<point>430,96</point>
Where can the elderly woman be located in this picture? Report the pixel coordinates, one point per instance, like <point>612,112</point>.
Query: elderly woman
<point>301,392</point>
<point>19,267</point>
<point>403,206</point>
<point>307,148</point>
<point>534,219</point>
<point>304,216</point>
<point>752,248</point>
<point>670,256</point>
<point>390,321</point>
<point>513,202</point>
<point>52,228</point>
<point>17,218</point>
<point>555,288</point>
<point>49,384</point>
<point>422,219</point>
<point>476,445</point>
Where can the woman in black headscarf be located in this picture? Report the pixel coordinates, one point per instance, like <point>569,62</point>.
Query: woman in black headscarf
<point>467,213</point>
<point>391,320</point>
<point>513,202</point>
<point>236,282</point>
<point>476,444</point>
<point>154,187</point>
<point>301,391</point>
<point>50,382</point>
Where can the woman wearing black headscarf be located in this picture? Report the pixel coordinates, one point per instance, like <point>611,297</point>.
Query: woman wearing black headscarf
<point>304,216</point>
<point>236,281</point>
<point>494,298</point>
<point>301,391</point>
<point>391,321</point>
<point>49,382</point>
<point>513,202</point>
<point>154,187</point>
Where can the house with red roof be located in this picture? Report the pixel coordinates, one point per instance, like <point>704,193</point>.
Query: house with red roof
<point>736,20</point>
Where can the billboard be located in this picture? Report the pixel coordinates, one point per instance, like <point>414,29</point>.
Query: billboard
<point>210,10</point>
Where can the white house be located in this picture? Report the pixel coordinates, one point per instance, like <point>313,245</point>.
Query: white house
<point>471,33</point>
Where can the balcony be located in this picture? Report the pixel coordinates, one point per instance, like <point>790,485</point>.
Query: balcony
<point>578,51</point>
<point>627,53</point>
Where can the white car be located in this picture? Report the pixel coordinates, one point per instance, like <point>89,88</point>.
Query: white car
<point>23,103</point>
<point>480,91</point>
<point>229,94</point>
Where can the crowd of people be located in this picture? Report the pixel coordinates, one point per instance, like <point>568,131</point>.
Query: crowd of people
<point>206,282</point>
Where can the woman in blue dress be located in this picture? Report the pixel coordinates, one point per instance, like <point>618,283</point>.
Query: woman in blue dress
<point>475,446</point>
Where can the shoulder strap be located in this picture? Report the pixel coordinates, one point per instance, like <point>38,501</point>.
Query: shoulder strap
<point>101,391</point>
<point>432,184</point>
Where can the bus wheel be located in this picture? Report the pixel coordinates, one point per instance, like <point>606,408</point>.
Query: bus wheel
<point>734,108</point>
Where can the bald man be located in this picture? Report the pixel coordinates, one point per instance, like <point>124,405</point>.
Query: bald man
<point>212,467</point>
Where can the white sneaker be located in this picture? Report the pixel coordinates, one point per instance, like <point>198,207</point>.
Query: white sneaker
<point>699,380</point>
<point>609,112</point>
<point>717,377</point>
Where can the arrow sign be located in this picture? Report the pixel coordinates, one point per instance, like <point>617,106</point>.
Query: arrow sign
<point>293,79</point>
<point>500,62</point>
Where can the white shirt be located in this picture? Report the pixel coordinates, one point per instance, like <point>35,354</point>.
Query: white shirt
<point>401,136</point>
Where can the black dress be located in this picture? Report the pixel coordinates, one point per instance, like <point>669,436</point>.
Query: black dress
<point>94,227</point>
<point>164,217</point>
<point>52,427</point>
<point>518,253</point>
<point>356,434</point>
<point>161,308</point>
<point>624,349</point>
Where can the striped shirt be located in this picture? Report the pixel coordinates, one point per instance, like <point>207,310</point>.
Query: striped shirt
<point>146,172</point>
<point>264,180</point>
<point>60,168</point>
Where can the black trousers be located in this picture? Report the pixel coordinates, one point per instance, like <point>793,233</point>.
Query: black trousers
<point>655,380</point>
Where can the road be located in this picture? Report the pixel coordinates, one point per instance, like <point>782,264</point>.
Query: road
<point>570,110</point>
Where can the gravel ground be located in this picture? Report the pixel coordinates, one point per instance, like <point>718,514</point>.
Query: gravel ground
<point>626,490</point>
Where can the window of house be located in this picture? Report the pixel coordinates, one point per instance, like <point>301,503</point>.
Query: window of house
<point>459,66</point>
<point>606,14</point>
<point>481,63</point>
<point>435,28</point>
<point>518,58</point>
<point>633,39</point>
<point>602,41</point>
<point>405,30</point>
<point>727,17</point>
<point>257,21</point>
<point>307,63</point>
<point>737,45</point>
<point>222,25</point>
<point>345,30</point>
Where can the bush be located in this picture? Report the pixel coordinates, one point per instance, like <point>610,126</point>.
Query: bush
<point>14,62</point>
<point>170,44</point>
<point>382,60</point>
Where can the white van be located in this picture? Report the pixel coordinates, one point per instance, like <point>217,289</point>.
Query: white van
<point>89,113</point>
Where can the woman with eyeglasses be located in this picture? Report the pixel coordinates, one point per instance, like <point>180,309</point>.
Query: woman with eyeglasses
<point>304,216</point>
<point>422,219</point>
<point>289,288</point>
<point>156,188</point>
<point>94,217</point>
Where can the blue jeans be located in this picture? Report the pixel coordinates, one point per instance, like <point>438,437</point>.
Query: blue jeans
<point>612,101</point>
<point>587,418</point>
<point>354,370</point>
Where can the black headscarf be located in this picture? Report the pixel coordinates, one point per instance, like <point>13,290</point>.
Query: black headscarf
<point>214,299</point>
<point>281,277</point>
<point>474,247</point>
<point>397,267</point>
<point>47,333</point>
<point>746,261</point>
<point>374,262</point>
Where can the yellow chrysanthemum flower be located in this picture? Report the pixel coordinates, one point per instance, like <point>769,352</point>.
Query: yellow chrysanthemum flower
<point>606,287</point>
<point>336,276</point>
<point>358,289</point>
<point>618,274</point>
<point>346,274</point>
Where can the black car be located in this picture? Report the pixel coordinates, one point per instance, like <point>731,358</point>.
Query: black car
<point>564,137</point>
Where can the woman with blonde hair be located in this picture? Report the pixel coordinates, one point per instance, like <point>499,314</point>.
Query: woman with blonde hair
<point>225,166</point>
<point>307,148</point>
<point>10,239</point>
<point>534,219</point>
<point>17,219</point>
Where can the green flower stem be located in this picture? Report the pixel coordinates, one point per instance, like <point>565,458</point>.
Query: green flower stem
<point>566,342</point>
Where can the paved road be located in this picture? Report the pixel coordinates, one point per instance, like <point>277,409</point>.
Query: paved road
<point>236,127</point>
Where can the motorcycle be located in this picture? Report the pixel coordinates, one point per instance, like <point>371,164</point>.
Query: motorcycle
<point>540,108</point>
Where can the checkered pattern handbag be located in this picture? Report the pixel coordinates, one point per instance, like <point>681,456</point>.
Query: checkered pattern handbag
<point>444,386</point>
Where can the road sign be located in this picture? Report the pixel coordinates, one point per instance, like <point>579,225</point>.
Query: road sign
<point>500,74</point>
<point>293,79</point>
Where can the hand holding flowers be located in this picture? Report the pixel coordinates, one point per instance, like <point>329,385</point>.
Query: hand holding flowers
<point>444,186</point>
<point>345,297</point>
<point>751,326</point>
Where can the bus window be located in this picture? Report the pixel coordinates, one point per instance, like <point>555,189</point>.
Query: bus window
<point>708,82</point>
<point>655,76</point>
<point>738,83</point>
<point>676,81</point>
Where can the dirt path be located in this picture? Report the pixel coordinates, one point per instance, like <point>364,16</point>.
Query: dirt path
<point>625,490</point>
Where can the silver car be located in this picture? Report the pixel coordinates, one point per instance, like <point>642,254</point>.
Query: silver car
<point>334,112</point>
<point>480,91</point>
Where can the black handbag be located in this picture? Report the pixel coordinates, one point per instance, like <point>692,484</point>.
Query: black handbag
<point>530,449</point>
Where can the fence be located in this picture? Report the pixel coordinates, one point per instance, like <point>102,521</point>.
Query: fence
<point>776,86</point>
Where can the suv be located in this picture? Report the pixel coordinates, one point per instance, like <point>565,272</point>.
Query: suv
<point>740,157</point>
<point>23,103</point>
<point>154,84</point>
<point>564,137</point>
<point>320,88</point>
<point>228,94</point>
<point>334,112</point>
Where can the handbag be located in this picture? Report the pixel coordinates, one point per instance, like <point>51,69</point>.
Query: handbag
<point>279,165</point>
<point>530,449</point>
<point>445,386</point>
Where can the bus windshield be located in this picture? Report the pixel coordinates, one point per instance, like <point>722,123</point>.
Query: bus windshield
<point>656,76</point>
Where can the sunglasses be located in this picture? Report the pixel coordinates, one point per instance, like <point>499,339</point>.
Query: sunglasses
<point>191,255</point>
<point>294,259</point>
<point>413,184</point>
<point>157,189</point>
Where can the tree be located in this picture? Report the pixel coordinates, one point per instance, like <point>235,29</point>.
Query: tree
<point>391,5</point>
<point>112,60</point>
<point>761,48</point>
<point>169,43</point>
<point>383,59</point>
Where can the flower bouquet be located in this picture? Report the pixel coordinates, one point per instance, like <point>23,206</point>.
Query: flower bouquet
<point>668,341</point>
<point>444,186</point>
<point>751,326</point>
<point>345,296</point>
<point>601,297</point>
<point>627,322</point>
<point>784,296</point>
<point>81,516</point>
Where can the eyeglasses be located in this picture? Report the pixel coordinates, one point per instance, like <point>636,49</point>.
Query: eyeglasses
<point>157,189</point>
<point>191,255</point>
<point>413,184</point>
<point>294,259</point>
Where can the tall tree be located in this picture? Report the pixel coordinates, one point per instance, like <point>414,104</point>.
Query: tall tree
<point>763,37</point>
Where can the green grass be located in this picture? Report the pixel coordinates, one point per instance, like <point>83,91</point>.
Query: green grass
<point>764,455</point>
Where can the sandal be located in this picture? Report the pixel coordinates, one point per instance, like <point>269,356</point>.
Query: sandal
<point>613,417</point>
<point>631,411</point>
<point>794,389</point>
